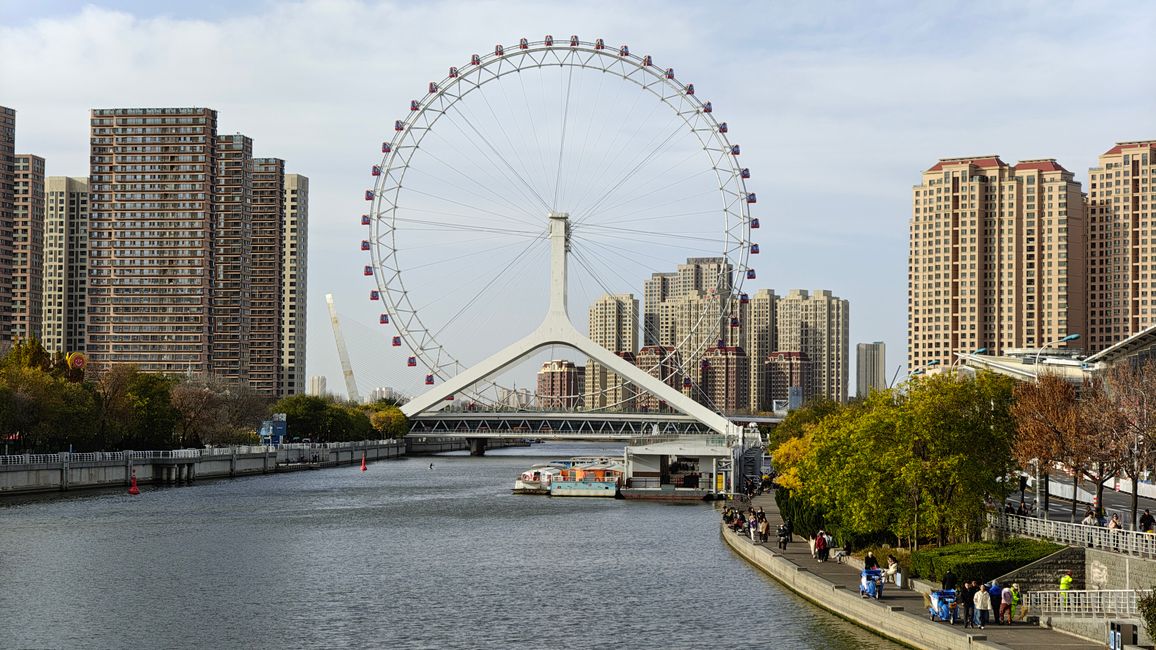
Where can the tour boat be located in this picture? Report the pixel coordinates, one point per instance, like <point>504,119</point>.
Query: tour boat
<point>602,478</point>
<point>537,479</point>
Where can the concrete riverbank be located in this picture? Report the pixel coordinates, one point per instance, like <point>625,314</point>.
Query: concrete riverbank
<point>33,473</point>
<point>900,615</point>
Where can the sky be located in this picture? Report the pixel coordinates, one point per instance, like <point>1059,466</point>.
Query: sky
<point>838,107</point>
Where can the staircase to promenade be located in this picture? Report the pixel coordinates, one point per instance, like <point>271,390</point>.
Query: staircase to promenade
<point>900,614</point>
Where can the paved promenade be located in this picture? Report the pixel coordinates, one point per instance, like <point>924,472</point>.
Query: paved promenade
<point>1027,637</point>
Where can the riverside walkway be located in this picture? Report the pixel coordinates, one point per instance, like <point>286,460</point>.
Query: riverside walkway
<point>883,616</point>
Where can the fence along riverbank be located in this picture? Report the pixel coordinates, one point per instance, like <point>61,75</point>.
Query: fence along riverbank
<point>32,473</point>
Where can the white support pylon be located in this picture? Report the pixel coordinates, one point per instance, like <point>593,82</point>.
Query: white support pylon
<point>556,329</point>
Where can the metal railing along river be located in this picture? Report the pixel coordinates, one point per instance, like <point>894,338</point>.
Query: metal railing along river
<point>1108,539</point>
<point>1106,602</point>
<point>88,457</point>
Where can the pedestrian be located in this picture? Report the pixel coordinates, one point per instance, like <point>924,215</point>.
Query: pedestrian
<point>982,602</point>
<point>1090,519</point>
<point>1065,586</point>
<point>1114,523</point>
<point>1147,521</point>
<point>784,536</point>
<point>820,545</point>
<point>870,562</point>
<point>993,593</point>
<point>949,580</point>
<point>1017,598</point>
<point>1005,605</point>
<point>967,597</point>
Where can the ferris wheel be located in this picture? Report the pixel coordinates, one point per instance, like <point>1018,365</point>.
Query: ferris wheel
<point>635,160</point>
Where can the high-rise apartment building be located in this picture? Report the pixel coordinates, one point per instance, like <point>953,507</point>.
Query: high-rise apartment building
<point>150,229</point>
<point>294,285</point>
<point>27,246</point>
<point>788,373</point>
<point>7,219</point>
<point>265,327</point>
<point>317,386</point>
<point>614,326</point>
<point>1121,206</point>
<point>232,256</point>
<point>664,363</point>
<point>685,310</point>
<point>870,368</point>
<point>65,283</point>
<point>560,385</point>
<point>725,376</point>
<point>997,258</point>
<point>817,323</point>
<point>761,338</point>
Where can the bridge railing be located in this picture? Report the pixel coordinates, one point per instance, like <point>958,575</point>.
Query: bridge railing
<point>1107,602</point>
<point>1108,539</point>
<point>29,459</point>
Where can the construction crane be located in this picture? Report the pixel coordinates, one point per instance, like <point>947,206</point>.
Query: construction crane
<point>342,352</point>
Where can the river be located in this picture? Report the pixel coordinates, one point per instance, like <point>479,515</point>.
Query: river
<point>400,556</point>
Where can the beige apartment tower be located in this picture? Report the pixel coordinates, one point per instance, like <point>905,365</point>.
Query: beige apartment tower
<point>817,324</point>
<point>150,229</point>
<point>27,246</point>
<point>1121,244</point>
<point>997,258</point>
<point>294,285</point>
<point>614,326</point>
<point>7,220</point>
<point>759,317</point>
<point>65,281</point>
<point>870,368</point>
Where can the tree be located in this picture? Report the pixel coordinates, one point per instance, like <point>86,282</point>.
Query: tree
<point>1050,427</point>
<point>796,421</point>
<point>1123,408</point>
<point>387,419</point>
<point>305,415</point>
<point>199,405</point>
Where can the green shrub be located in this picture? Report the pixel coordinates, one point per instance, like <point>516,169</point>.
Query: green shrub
<point>979,560</point>
<point>1146,604</point>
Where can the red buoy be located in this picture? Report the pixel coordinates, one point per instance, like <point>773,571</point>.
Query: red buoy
<point>133,489</point>
<point>363,467</point>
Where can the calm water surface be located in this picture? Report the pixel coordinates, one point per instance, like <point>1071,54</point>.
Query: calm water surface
<point>400,556</point>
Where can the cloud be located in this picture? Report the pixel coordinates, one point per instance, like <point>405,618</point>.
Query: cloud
<point>838,108</point>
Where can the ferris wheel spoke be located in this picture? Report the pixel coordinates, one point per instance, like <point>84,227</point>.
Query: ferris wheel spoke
<point>497,195</point>
<point>630,174</point>
<point>505,134</point>
<point>533,125</point>
<point>489,284</point>
<point>611,231</point>
<point>636,196</point>
<point>501,158</point>
<point>499,166</point>
<point>562,139</point>
<point>441,225</point>
<point>604,166</point>
<point>665,217</point>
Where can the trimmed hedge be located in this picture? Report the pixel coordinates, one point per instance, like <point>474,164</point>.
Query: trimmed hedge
<point>979,560</point>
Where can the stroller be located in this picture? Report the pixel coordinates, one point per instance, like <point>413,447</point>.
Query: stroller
<point>943,606</point>
<point>871,583</point>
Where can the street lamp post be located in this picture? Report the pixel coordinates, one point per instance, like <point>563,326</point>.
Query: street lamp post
<point>1069,337</point>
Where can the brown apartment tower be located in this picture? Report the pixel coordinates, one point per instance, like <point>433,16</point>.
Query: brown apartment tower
<point>265,325</point>
<point>150,238</point>
<point>7,218</point>
<point>1121,244</point>
<point>997,258</point>
<point>232,252</point>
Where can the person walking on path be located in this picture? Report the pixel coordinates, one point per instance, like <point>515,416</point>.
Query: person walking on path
<point>967,598</point>
<point>1065,586</point>
<point>1005,605</point>
<point>870,562</point>
<point>821,546</point>
<point>982,602</point>
<point>1147,521</point>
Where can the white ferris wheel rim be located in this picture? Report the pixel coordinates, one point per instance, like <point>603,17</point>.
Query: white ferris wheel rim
<point>425,112</point>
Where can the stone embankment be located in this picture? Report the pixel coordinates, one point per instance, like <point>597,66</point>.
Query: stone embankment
<point>31,473</point>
